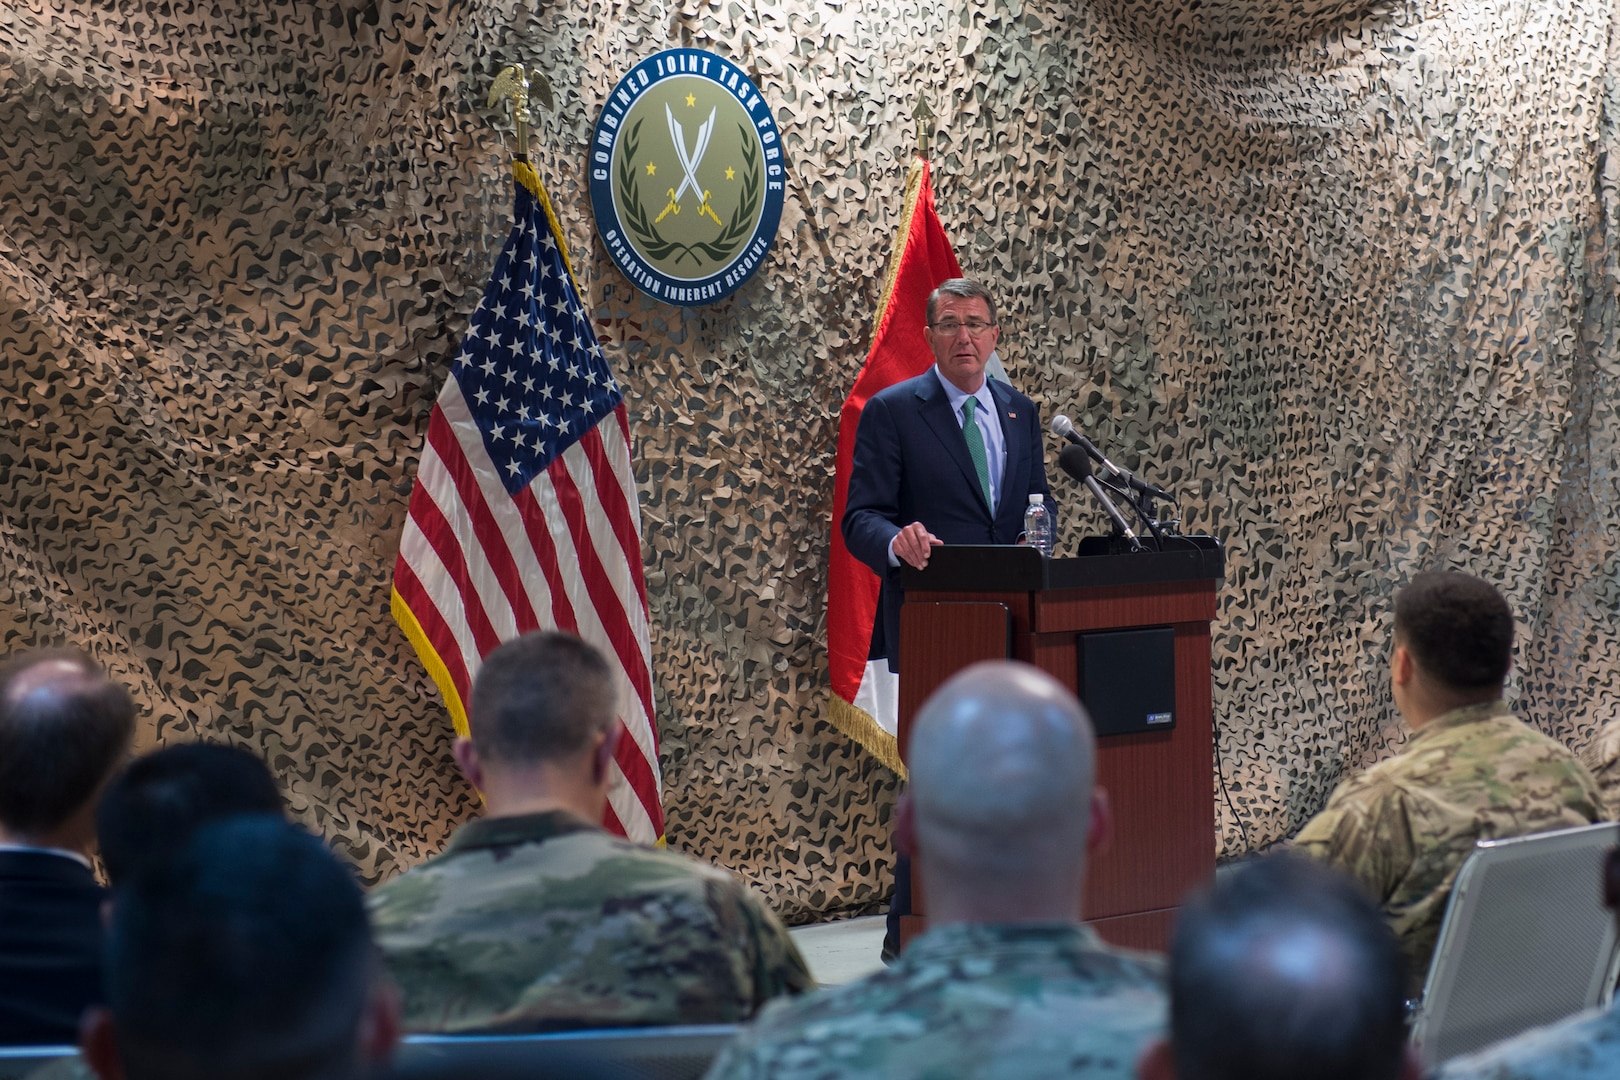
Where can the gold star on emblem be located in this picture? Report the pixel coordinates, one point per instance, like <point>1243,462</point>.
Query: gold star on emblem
<point>691,100</point>
<point>731,174</point>
<point>652,170</point>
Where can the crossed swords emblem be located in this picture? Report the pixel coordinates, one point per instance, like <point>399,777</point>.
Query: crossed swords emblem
<point>689,164</point>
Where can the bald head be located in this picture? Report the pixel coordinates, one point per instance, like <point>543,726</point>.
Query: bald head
<point>1002,759</point>
<point>64,726</point>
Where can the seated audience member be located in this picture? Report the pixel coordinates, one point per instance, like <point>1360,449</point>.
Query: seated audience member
<point>152,807</point>
<point>64,727</point>
<point>1470,771</point>
<point>1282,972</point>
<point>535,918</point>
<point>1000,816</point>
<point>1603,758</point>
<point>1584,1047</point>
<point>244,956</point>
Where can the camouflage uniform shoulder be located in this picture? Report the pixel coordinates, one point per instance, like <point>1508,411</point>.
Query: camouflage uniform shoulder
<point>544,922</point>
<point>1602,759</point>
<point>1027,1002</point>
<point>1584,1047</point>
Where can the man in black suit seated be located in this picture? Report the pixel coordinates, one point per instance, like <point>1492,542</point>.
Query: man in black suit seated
<point>64,727</point>
<point>246,955</point>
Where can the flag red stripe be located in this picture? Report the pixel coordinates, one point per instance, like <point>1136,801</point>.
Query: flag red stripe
<point>490,540</point>
<point>611,822</point>
<point>430,519</point>
<point>433,625</point>
<point>642,781</point>
<point>545,551</point>
<point>591,571</point>
<point>611,497</point>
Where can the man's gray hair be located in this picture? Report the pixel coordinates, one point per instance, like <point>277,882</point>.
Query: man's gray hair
<point>963,289</point>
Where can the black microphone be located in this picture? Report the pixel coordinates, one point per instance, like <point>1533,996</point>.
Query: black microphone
<point>1073,460</point>
<point>1062,426</point>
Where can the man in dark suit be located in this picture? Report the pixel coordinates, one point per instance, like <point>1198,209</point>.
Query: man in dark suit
<point>64,727</point>
<point>924,474</point>
<point>945,458</point>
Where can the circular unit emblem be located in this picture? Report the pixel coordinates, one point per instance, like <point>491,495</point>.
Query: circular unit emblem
<point>686,177</point>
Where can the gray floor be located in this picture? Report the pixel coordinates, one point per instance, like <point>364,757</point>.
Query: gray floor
<point>843,951</point>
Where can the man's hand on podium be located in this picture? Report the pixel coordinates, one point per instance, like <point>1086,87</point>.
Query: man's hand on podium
<point>913,544</point>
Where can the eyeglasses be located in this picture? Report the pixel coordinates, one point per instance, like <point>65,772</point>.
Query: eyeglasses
<point>974,327</point>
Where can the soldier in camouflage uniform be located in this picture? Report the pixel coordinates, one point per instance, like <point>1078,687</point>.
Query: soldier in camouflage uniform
<point>1584,1047</point>
<point>1005,983</point>
<point>533,918</point>
<point>1471,770</point>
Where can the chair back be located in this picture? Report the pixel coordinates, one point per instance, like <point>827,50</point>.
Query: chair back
<point>1526,941</point>
<point>18,1062</point>
<point>666,1053</point>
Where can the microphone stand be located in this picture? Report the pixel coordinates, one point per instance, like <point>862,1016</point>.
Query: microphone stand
<point>1141,503</point>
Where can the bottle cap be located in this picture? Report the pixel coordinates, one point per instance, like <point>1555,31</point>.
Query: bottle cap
<point>1036,498</point>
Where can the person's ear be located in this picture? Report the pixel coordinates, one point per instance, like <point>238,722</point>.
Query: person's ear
<point>1156,1062</point>
<point>98,1043</point>
<point>602,759</point>
<point>1401,666</point>
<point>380,1027</point>
<point>905,825</point>
<point>467,760</point>
<point>1100,829</point>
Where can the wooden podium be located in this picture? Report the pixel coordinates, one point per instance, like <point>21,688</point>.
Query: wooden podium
<point>983,603</point>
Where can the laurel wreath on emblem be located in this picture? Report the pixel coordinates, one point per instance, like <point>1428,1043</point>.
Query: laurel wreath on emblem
<point>646,233</point>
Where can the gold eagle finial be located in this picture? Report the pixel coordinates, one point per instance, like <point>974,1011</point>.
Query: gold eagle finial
<point>519,84</point>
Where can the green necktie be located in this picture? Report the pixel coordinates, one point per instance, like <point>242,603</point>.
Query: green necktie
<point>975,443</point>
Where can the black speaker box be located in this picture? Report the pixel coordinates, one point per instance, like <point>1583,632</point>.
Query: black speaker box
<point>1127,679</point>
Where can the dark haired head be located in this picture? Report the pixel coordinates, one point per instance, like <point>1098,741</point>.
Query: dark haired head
<point>151,808</point>
<point>963,289</point>
<point>1459,630</point>
<point>543,696</point>
<point>1286,970</point>
<point>245,955</point>
<point>63,728</point>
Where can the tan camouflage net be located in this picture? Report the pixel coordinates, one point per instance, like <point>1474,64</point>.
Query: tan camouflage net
<point>1345,278</point>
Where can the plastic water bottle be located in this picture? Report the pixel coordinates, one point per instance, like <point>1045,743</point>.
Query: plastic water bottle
<point>1039,530</point>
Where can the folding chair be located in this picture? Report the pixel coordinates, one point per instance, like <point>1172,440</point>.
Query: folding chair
<point>1526,941</point>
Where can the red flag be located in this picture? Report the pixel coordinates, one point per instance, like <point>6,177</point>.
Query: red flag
<point>525,515</point>
<point>921,259</point>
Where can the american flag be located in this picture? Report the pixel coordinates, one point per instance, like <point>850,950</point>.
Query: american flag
<point>524,514</point>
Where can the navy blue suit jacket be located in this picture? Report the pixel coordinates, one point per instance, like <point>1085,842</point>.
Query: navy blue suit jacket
<point>911,463</point>
<point>50,947</point>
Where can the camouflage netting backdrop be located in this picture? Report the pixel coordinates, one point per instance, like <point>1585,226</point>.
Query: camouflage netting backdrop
<point>1343,276</point>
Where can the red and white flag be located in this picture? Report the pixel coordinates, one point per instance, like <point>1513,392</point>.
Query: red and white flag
<point>864,701</point>
<point>525,515</point>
